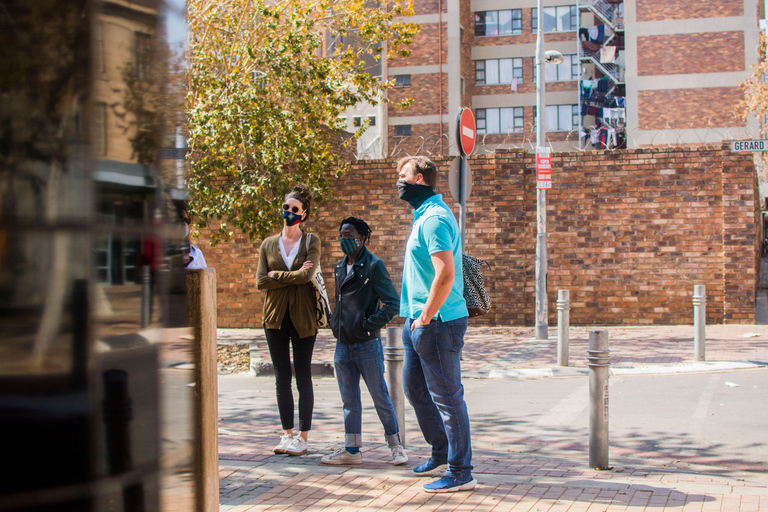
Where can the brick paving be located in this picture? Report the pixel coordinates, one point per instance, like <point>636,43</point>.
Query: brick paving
<point>513,347</point>
<point>253,479</point>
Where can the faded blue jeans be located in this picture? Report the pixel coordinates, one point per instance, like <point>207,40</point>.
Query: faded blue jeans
<point>366,360</point>
<point>432,382</point>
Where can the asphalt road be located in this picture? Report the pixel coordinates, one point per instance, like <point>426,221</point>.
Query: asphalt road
<point>718,419</point>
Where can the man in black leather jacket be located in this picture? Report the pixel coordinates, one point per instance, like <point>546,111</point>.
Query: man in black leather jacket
<point>362,284</point>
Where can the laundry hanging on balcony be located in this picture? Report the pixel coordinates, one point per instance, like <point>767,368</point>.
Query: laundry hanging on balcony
<point>593,34</point>
<point>608,54</point>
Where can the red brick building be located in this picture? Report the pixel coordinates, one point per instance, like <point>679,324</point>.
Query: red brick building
<point>648,72</point>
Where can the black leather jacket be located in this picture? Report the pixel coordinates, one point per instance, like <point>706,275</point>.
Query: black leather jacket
<point>357,316</point>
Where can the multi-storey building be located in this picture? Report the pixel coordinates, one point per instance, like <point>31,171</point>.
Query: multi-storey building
<point>636,73</point>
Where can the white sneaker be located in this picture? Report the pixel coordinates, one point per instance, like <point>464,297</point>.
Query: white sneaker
<point>342,456</point>
<point>398,455</point>
<point>298,446</point>
<point>283,444</point>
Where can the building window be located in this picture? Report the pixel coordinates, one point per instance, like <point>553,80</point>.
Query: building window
<point>357,121</point>
<point>142,54</point>
<point>99,139</point>
<point>500,120</point>
<point>402,80</point>
<point>499,23</point>
<point>556,19</point>
<point>566,71</point>
<point>402,130</point>
<point>560,118</point>
<point>371,120</point>
<point>498,71</point>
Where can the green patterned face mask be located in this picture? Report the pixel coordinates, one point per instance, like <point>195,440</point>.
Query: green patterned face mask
<point>349,245</point>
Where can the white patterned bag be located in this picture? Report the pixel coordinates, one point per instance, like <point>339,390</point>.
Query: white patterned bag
<point>478,300</point>
<point>321,295</point>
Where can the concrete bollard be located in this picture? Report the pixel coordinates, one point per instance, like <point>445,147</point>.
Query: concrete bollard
<point>599,364</point>
<point>201,308</point>
<point>563,324</point>
<point>394,353</point>
<point>146,297</point>
<point>699,321</point>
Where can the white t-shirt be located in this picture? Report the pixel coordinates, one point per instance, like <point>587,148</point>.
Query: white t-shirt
<point>288,258</point>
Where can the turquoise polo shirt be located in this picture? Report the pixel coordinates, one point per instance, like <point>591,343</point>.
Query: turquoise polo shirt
<point>434,230</point>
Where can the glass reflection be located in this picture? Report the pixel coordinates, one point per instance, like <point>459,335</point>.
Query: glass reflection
<point>95,350</point>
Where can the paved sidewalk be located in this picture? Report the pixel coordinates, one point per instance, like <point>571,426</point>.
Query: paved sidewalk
<point>252,479</point>
<point>509,352</point>
<point>554,480</point>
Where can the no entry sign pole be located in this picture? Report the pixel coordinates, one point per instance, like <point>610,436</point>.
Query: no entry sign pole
<point>465,138</point>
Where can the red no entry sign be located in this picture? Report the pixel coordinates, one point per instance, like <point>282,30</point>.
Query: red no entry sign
<point>466,131</point>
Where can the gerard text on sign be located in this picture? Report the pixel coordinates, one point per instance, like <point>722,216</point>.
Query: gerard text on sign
<point>747,146</point>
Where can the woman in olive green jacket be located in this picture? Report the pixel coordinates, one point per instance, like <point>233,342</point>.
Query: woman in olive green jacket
<point>286,264</point>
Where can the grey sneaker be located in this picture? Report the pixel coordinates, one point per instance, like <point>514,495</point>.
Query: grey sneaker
<point>298,446</point>
<point>342,456</point>
<point>398,455</point>
<point>283,444</point>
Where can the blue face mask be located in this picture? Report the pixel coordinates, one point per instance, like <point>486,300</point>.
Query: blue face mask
<point>291,219</point>
<point>349,245</point>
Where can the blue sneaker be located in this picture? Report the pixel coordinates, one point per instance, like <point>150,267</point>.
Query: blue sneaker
<point>448,484</point>
<point>430,468</point>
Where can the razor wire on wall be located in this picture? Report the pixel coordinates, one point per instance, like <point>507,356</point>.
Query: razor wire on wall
<point>567,141</point>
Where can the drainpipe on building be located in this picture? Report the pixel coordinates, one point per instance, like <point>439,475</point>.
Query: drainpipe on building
<point>440,69</point>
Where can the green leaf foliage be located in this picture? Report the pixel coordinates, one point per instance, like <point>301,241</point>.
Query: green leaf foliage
<point>267,84</point>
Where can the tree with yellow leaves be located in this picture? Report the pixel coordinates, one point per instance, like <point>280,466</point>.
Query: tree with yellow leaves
<point>267,84</point>
<point>755,100</point>
<point>755,87</point>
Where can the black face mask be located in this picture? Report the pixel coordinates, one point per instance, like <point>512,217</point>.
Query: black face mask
<point>413,193</point>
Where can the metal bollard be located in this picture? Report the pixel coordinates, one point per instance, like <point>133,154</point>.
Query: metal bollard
<point>394,352</point>
<point>146,297</point>
<point>563,321</point>
<point>599,363</point>
<point>699,321</point>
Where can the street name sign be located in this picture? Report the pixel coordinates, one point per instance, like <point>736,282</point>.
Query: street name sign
<point>748,146</point>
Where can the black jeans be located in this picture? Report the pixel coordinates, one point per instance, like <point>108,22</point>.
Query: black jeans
<point>279,342</point>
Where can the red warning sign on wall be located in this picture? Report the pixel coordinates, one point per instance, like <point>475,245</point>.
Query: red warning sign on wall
<point>543,168</point>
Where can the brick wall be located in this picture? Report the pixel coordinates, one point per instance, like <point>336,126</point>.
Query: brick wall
<point>424,47</point>
<point>629,234</point>
<point>655,10</point>
<point>709,52</point>
<point>688,108</point>
<point>425,90</point>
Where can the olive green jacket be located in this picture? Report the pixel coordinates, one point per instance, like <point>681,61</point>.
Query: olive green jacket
<point>289,288</point>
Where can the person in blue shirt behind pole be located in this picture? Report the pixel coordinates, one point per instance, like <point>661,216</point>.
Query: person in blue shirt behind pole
<point>432,303</point>
<point>362,283</point>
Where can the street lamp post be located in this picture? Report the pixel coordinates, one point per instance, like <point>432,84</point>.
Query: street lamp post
<point>552,57</point>
<point>542,329</point>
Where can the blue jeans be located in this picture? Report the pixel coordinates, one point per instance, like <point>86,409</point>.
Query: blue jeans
<point>432,382</point>
<point>366,360</point>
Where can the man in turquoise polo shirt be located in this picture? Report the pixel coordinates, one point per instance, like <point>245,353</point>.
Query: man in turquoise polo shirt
<point>432,302</point>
